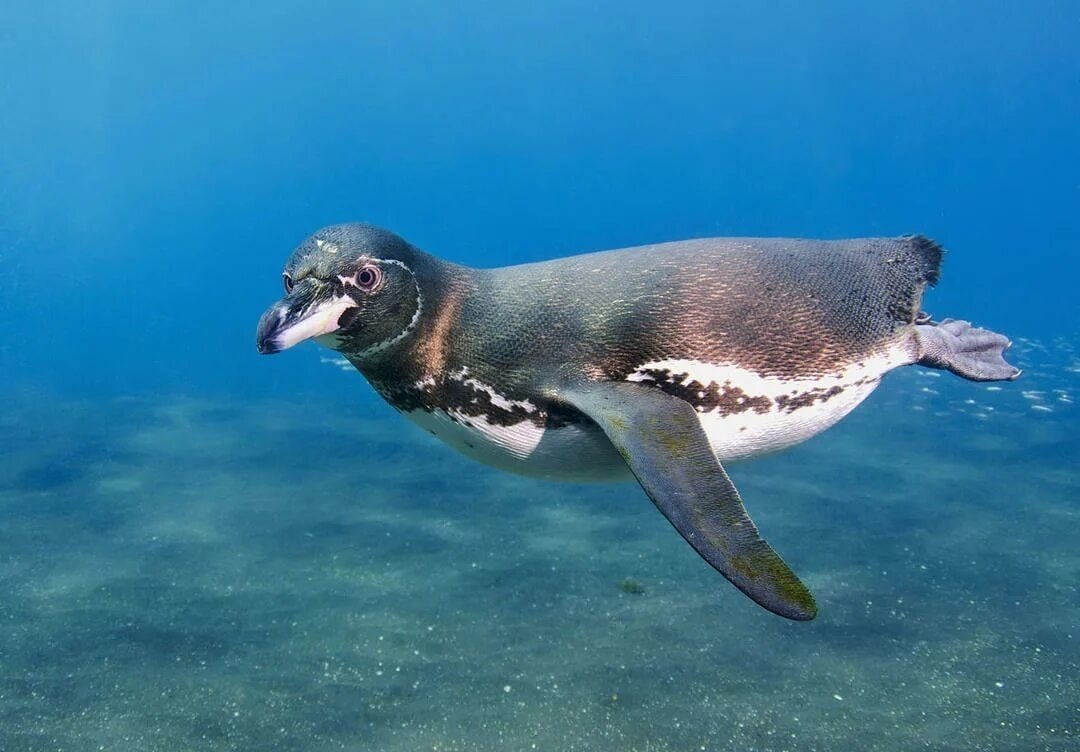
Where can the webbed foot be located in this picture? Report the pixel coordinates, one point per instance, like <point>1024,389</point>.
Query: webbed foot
<point>957,346</point>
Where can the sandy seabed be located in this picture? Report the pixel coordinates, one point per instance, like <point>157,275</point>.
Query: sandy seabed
<point>180,573</point>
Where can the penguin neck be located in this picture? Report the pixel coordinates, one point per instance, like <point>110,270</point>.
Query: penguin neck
<point>427,351</point>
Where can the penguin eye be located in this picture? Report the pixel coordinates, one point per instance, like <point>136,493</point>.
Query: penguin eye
<point>287,279</point>
<point>368,278</point>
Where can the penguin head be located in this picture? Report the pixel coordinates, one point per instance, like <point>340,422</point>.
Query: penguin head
<point>350,287</point>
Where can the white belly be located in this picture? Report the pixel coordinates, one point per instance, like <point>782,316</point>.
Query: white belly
<point>574,452</point>
<point>747,415</point>
<point>760,414</point>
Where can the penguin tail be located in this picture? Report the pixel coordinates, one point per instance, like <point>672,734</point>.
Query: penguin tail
<point>927,255</point>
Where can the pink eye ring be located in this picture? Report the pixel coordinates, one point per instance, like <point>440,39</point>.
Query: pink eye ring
<point>368,277</point>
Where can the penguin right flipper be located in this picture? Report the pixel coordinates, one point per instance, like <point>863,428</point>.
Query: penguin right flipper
<point>662,441</point>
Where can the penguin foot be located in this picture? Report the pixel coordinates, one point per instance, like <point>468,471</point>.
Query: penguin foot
<point>957,346</point>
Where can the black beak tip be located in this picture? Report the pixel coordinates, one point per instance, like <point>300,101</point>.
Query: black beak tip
<point>266,347</point>
<point>266,333</point>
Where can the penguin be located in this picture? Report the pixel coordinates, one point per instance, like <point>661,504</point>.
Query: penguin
<point>660,362</point>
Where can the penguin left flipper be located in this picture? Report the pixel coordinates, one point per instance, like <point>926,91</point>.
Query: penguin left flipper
<point>662,441</point>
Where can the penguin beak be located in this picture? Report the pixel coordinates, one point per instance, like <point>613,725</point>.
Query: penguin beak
<point>300,316</point>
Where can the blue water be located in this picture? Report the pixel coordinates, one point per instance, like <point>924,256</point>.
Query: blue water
<point>201,548</point>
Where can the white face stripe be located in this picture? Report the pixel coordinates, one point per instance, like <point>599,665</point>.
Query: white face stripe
<point>320,320</point>
<point>378,347</point>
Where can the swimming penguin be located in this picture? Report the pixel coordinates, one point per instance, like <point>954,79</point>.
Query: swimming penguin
<point>662,362</point>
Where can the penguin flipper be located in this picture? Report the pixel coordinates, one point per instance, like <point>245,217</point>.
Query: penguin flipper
<point>662,441</point>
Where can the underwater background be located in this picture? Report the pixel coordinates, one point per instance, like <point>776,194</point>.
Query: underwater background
<point>205,549</point>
